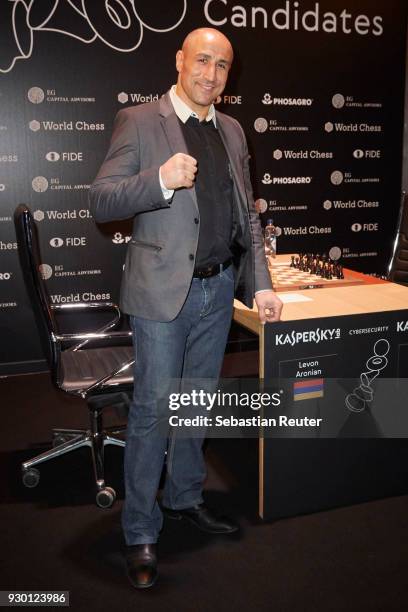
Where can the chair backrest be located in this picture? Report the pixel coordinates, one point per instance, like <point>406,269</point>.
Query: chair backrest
<point>30,261</point>
<point>398,267</point>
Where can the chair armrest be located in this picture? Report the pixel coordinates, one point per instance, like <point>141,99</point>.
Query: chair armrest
<point>86,306</point>
<point>99,333</point>
<point>91,336</point>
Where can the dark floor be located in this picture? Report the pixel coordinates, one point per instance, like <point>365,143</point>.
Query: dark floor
<point>55,538</point>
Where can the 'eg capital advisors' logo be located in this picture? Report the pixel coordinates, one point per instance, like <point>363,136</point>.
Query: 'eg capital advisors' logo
<point>39,184</point>
<point>261,125</point>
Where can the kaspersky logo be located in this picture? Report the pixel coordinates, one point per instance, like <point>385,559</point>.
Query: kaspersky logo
<point>313,336</point>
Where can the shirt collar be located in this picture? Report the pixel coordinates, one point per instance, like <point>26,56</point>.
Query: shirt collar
<point>183,111</point>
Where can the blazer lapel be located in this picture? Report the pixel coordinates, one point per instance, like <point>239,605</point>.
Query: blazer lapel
<point>236,171</point>
<point>174,135</point>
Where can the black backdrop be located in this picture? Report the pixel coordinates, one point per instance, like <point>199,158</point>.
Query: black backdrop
<point>318,87</point>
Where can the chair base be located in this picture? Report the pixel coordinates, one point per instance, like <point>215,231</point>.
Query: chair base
<point>68,440</point>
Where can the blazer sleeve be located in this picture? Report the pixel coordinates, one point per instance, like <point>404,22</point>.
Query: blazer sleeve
<point>262,280</point>
<point>122,189</point>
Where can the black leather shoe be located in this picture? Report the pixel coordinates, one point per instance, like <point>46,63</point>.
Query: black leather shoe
<point>141,564</point>
<point>203,518</point>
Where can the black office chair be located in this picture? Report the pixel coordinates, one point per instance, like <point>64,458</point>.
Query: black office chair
<point>398,266</point>
<point>102,376</point>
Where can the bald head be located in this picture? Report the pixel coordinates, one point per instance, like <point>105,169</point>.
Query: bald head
<point>203,64</point>
<point>206,34</point>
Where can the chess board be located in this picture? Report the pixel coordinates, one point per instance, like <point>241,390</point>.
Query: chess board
<point>285,278</point>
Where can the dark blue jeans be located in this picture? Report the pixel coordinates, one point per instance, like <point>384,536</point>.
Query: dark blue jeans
<point>189,347</point>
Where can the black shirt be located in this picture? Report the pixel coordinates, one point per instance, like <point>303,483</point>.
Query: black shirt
<point>213,186</point>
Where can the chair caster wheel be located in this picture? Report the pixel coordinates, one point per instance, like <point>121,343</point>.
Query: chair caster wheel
<point>105,497</point>
<point>31,478</point>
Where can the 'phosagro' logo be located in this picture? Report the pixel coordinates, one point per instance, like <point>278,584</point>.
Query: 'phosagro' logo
<point>119,238</point>
<point>304,337</point>
<point>5,276</point>
<point>269,100</point>
<point>286,180</point>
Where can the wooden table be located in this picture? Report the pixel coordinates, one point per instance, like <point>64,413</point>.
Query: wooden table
<point>373,302</point>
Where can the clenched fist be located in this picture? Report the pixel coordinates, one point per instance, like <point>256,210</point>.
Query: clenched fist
<point>179,171</point>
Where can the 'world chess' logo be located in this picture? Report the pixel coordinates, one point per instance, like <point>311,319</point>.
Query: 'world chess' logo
<point>123,97</point>
<point>277,154</point>
<point>329,127</point>
<point>38,215</point>
<point>327,204</point>
<point>34,125</point>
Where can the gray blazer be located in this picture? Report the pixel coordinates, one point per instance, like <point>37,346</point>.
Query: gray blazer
<point>160,256</point>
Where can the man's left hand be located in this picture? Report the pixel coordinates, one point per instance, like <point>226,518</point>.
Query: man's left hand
<point>269,306</point>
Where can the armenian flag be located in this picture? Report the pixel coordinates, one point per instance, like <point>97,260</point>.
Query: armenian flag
<point>308,389</point>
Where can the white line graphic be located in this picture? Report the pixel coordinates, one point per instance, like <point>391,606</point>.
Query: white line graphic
<point>364,393</point>
<point>119,15</point>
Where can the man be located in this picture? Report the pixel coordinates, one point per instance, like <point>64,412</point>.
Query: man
<point>180,169</point>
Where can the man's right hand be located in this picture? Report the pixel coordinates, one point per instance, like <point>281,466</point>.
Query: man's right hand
<point>179,171</point>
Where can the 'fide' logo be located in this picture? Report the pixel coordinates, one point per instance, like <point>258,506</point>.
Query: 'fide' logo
<point>35,95</point>
<point>52,156</point>
<point>261,125</point>
<point>56,242</point>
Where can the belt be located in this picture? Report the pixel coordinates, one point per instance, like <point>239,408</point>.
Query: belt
<point>212,270</point>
